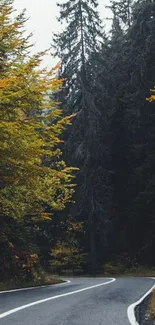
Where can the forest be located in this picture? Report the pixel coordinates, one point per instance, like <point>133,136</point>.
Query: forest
<point>77,143</point>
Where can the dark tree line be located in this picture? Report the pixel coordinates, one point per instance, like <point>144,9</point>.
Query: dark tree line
<point>112,137</point>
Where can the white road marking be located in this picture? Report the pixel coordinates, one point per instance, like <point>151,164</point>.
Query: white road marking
<point>36,287</point>
<point>131,308</point>
<point>12,311</point>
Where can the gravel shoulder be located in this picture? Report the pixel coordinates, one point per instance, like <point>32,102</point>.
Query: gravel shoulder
<point>142,312</point>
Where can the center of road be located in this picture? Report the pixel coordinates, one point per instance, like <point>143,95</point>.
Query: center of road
<point>12,311</point>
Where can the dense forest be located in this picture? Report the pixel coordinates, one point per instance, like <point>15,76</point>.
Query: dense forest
<point>77,143</point>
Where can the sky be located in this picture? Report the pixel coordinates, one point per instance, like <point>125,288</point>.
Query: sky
<point>43,23</point>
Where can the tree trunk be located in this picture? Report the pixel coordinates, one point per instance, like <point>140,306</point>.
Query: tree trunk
<point>92,244</point>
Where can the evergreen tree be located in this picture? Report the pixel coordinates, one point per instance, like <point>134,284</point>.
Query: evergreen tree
<point>77,47</point>
<point>81,37</point>
<point>123,10</point>
<point>141,70</point>
<point>131,155</point>
<point>112,138</point>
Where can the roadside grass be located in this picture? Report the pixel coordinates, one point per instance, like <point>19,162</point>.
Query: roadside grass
<point>121,270</point>
<point>116,270</point>
<point>11,284</point>
<point>110,270</point>
<point>144,272</point>
<point>151,310</point>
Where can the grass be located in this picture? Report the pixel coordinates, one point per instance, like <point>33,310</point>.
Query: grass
<point>131,272</point>
<point>120,270</point>
<point>18,284</point>
<point>151,310</point>
<point>110,271</point>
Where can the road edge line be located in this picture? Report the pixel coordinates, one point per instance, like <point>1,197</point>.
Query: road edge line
<point>12,311</point>
<point>35,287</point>
<point>131,308</point>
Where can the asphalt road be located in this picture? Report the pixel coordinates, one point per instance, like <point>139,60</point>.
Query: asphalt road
<point>74,303</point>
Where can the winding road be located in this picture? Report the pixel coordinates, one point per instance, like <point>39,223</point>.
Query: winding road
<point>79,301</point>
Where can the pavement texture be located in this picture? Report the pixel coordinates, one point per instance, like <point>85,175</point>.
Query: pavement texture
<point>102,305</point>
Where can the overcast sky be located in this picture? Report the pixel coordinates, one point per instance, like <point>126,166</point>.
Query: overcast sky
<point>42,22</point>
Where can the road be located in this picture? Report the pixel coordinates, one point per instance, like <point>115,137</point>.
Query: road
<point>74,303</point>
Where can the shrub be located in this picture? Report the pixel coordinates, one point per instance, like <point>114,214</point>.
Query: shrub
<point>66,259</point>
<point>110,268</point>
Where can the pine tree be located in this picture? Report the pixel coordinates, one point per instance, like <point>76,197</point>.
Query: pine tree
<point>78,48</point>
<point>81,37</point>
<point>123,10</point>
<point>112,138</point>
<point>141,69</point>
<point>131,154</point>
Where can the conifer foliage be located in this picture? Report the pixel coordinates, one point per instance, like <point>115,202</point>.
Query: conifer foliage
<point>74,45</point>
<point>111,139</point>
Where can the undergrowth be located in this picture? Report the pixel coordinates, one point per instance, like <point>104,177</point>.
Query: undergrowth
<point>20,283</point>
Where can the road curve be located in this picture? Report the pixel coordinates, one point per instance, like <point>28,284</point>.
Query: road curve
<point>83,301</point>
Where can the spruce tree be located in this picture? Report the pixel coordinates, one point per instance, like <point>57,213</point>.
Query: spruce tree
<point>112,136</point>
<point>77,46</point>
<point>141,69</point>
<point>123,10</point>
<point>131,135</point>
<point>81,37</point>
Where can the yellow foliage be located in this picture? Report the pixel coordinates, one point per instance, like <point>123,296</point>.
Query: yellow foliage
<point>16,257</point>
<point>28,135</point>
<point>66,256</point>
<point>152,97</point>
<point>34,257</point>
<point>11,245</point>
<point>46,216</point>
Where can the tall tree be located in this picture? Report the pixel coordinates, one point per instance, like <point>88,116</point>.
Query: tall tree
<point>123,10</point>
<point>112,138</point>
<point>77,47</point>
<point>27,138</point>
<point>131,132</point>
<point>141,69</point>
<point>81,37</point>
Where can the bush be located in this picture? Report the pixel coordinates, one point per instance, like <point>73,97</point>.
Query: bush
<point>66,259</point>
<point>113,268</point>
<point>110,268</point>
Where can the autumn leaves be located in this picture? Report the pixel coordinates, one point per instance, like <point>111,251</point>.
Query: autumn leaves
<point>28,136</point>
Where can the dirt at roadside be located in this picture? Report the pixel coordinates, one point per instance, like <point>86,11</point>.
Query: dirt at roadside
<point>142,312</point>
